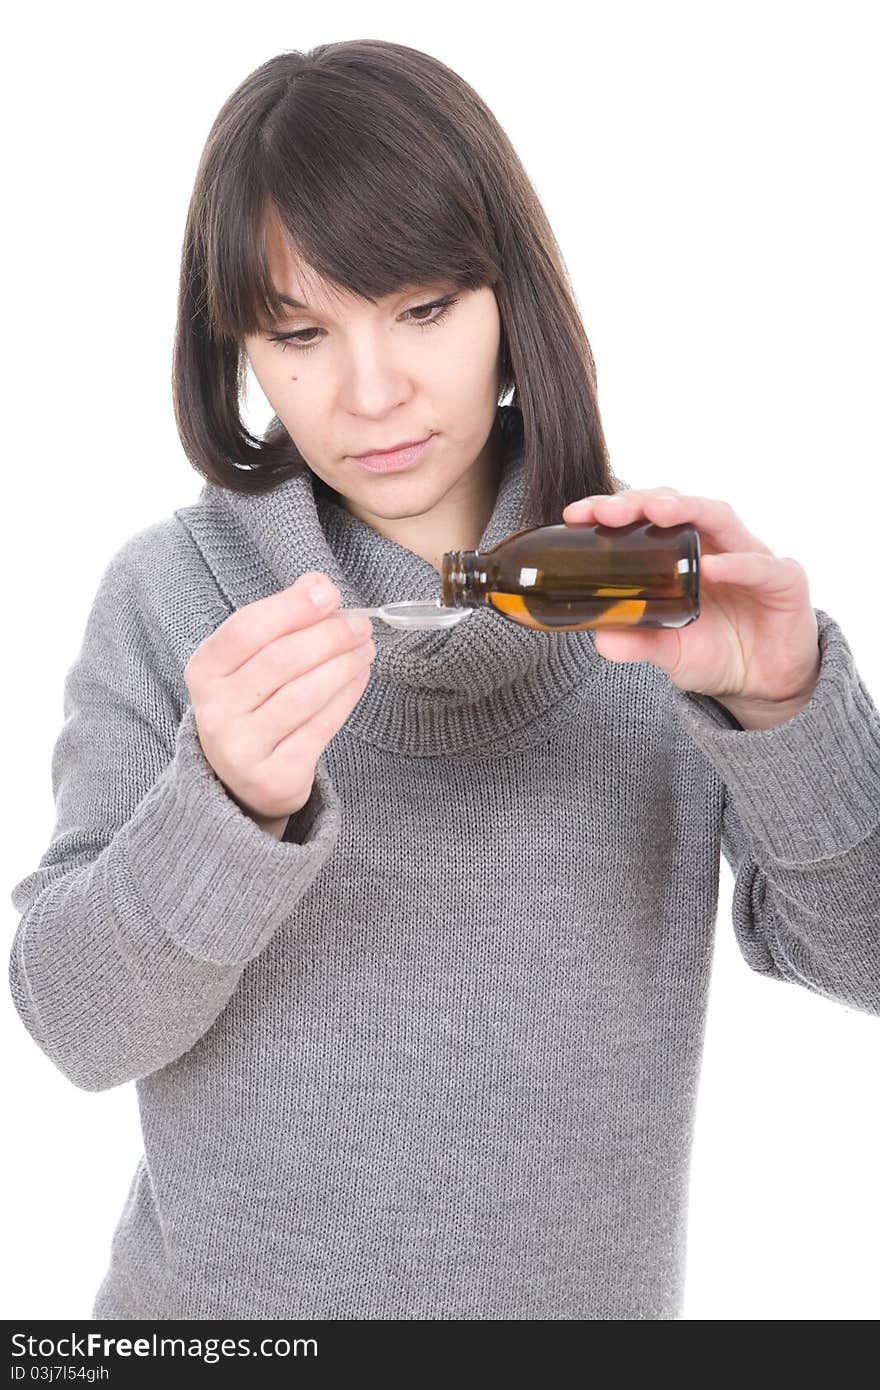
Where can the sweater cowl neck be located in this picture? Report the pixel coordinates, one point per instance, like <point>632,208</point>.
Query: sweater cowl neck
<point>476,685</point>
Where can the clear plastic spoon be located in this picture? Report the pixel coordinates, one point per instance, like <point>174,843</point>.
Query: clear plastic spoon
<point>414,614</point>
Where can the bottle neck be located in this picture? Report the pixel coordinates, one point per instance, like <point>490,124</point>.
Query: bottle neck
<point>463,579</point>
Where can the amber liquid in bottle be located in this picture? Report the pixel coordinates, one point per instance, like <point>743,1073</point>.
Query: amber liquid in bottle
<point>570,578</point>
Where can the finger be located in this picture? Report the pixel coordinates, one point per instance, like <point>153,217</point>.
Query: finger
<point>584,505</point>
<point>719,526</point>
<point>660,646</point>
<point>300,700</point>
<point>752,570</point>
<point>291,656</point>
<point>249,629</point>
<point>306,743</point>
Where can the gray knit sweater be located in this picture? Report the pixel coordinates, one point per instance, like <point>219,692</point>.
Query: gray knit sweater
<point>434,1055</point>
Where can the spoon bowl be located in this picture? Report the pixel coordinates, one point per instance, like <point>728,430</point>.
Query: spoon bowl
<point>414,614</point>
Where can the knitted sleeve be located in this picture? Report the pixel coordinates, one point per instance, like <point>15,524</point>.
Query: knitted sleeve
<point>801,830</point>
<point>155,889</point>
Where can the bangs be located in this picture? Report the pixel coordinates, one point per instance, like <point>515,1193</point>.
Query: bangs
<point>369,209</point>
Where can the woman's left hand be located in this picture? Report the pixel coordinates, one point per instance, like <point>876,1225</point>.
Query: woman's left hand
<point>756,640</point>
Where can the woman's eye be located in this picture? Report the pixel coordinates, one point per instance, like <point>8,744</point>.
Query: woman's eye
<point>297,338</point>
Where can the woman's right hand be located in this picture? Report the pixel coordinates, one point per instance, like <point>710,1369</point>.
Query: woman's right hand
<point>270,687</point>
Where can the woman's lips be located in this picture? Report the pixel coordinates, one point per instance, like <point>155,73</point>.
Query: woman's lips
<point>393,463</point>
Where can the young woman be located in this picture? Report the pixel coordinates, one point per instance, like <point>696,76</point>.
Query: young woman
<point>406,941</point>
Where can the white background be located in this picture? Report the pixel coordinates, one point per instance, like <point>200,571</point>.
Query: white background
<point>710,173</point>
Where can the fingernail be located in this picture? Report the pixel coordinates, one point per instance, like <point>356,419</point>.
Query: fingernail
<point>359,625</point>
<point>323,594</point>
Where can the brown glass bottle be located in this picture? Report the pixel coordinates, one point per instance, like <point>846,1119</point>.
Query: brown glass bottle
<point>570,578</point>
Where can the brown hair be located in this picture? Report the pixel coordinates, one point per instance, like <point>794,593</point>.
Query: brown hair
<point>385,169</point>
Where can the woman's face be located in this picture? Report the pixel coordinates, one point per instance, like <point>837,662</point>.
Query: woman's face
<point>359,377</point>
